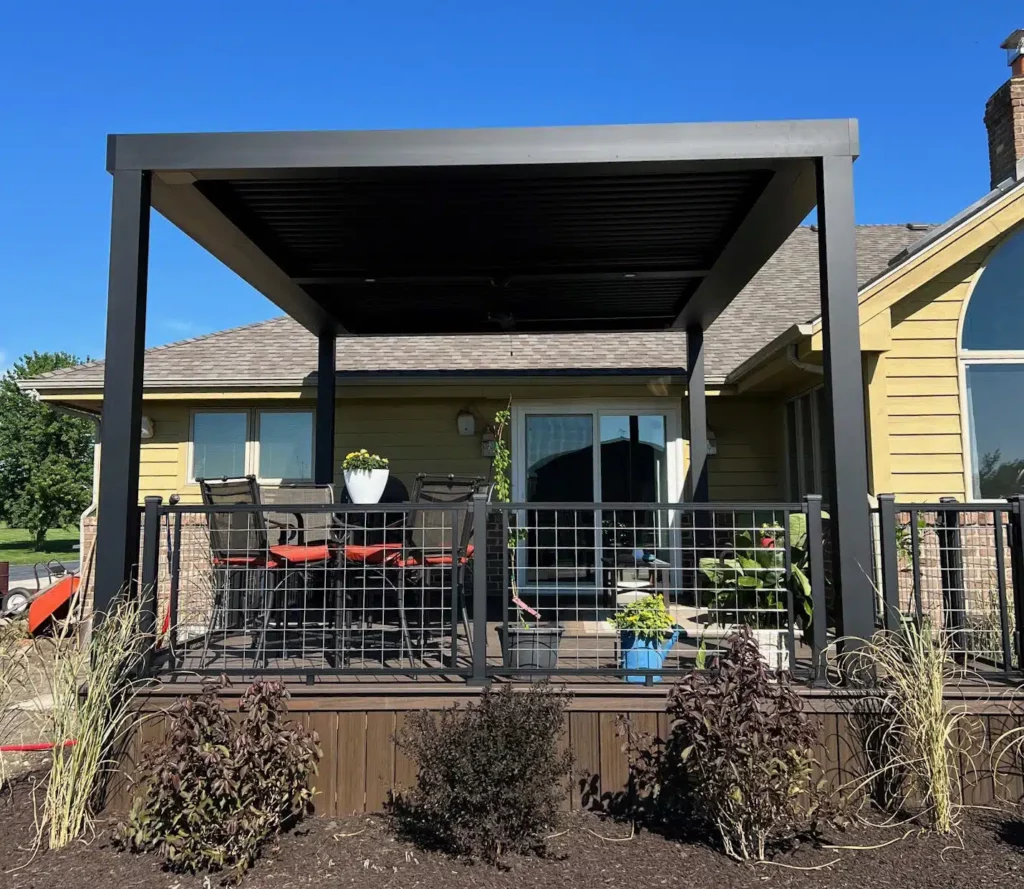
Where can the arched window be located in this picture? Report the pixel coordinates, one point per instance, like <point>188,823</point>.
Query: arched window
<point>992,354</point>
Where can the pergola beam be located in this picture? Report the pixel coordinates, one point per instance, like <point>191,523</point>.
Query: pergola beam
<point>784,203</point>
<point>258,153</point>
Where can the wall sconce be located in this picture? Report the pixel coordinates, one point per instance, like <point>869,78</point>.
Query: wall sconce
<point>466,423</point>
<point>487,442</point>
<point>712,444</point>
<point>147,428</point>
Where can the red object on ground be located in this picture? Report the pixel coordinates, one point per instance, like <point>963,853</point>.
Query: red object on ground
<point>51,603</point>
<point>30,748</point>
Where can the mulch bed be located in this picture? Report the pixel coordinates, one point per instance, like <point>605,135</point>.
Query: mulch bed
<point>361,852</point>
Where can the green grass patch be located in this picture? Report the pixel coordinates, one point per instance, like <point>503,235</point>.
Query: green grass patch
<point>18,547</point>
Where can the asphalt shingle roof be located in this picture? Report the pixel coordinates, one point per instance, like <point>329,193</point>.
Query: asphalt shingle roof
<point>279,352</point>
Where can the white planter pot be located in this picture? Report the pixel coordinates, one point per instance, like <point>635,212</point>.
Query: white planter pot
<point>365,485</point>
<point>772,646</point>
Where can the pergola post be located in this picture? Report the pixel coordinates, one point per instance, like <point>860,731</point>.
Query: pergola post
<point>843,424</point>
<point>698,414</point>
<point>118,516</point>
<point>323,446</point>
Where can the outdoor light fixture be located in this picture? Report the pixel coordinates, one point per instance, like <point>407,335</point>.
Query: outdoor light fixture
<point>466,423</point>
<point>712,444</point>
<point>147,428</point>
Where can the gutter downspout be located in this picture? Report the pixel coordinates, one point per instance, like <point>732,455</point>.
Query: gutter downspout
<point>791,356</point>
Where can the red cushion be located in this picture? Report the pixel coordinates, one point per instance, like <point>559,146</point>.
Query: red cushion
<point>236,560</point>
<point>294,553</point>
<point>373,553</point>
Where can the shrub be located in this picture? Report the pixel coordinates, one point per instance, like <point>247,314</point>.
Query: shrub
<point>490,774</point>
<point>744,745</point>
<point>215,791</point>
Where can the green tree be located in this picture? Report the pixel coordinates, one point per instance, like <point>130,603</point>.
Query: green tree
<point>45,456</point>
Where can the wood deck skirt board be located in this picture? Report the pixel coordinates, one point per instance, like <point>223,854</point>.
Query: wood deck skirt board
<point>362,764</point>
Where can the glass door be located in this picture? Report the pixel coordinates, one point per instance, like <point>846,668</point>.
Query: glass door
<point>559,467</point>
<point>588,456</point>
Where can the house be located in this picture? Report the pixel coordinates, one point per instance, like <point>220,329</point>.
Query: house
<point>657,322</point>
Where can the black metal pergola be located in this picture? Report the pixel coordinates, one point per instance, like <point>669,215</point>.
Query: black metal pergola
<point>597,228</point>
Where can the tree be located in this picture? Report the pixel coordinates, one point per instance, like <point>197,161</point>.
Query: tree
<point>45,456</point>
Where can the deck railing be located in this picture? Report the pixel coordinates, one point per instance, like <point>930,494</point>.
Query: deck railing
<point>477,591</point>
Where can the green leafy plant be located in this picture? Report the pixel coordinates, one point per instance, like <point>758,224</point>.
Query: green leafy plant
<point>501,467</point>
<point>752,581</point>
<point>216,790</point>
<point>742,744</point>
<point>363,460</point>
<point>491,777</point>
<point>647,617</point>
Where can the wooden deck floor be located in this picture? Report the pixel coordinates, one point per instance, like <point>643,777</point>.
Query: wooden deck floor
<point>374,656</point>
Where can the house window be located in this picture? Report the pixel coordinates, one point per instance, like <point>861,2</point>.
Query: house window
<point>285,445</point>
<point>219,444</point>
<point>992,359</point>
<point>273,445</point>
<point>807,466</point>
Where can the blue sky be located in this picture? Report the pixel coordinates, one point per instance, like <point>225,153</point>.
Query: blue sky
<point>915,73</point>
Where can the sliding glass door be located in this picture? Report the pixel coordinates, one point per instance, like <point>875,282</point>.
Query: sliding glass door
<point>583,455</point>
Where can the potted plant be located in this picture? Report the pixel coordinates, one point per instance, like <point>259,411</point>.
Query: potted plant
<point>647,633</point>
<point>528,643</point>
<point>366,475</point>
<point>750,587</point>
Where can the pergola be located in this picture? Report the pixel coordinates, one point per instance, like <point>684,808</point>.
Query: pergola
<point>597,228</point>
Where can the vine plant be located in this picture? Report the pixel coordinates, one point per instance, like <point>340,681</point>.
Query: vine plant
<point>502,467</point>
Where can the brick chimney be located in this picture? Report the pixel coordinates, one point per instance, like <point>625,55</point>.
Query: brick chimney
<point>1004,117</point>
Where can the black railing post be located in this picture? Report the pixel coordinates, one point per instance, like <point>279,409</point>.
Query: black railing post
<point>951,572</point>
<point>1016,519</point>
<point>150,574</point>
<point>479,675</point>
<point>890,559</point>
<point>816,566</point>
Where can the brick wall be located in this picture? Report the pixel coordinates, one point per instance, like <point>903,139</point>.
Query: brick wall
<point>1004,120</point>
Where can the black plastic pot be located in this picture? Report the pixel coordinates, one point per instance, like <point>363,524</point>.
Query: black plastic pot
<point>531,648</point>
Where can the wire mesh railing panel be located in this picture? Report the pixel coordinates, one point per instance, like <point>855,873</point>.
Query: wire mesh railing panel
<point>955,572</point>
<point>569,569</point>
<point>376,590</point>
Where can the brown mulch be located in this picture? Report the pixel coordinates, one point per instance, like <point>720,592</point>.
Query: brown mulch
<point>361,852</point>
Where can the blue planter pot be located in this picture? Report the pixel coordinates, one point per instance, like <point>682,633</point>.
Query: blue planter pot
<point>644,654</point>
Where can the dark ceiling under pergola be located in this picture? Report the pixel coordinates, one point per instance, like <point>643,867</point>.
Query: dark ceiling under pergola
<point>481,249</point>
<point>490,231</point>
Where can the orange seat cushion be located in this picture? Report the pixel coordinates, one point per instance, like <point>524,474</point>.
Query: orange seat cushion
<point>300,554</point>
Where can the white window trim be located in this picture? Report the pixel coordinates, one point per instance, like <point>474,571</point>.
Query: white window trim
<point>796,448</point>
<point>595,408</point>
<point>966,357</point>
<point>252,441</point>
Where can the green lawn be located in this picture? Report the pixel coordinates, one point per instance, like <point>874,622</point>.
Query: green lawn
<point>17,547</point>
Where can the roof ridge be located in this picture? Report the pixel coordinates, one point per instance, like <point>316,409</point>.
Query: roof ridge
<point>193,339</point>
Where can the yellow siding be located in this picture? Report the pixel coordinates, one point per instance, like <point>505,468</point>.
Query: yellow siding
<point>924,406</point>
<point>749,438</point>
<point>418,434</point>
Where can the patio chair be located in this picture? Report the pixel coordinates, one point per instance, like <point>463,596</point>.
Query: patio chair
<point>239,540</point>
<point>441,545</point>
